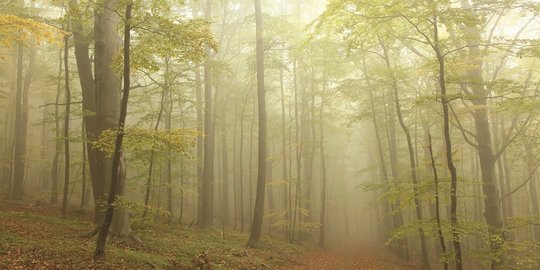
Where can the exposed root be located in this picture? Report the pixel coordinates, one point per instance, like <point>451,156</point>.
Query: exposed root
<point>92,233</point>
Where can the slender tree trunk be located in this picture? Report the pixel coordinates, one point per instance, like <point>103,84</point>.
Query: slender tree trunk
<point>209,141</point>
<point>224,168</point>
<point>322,229</point>
<point>235,169</point>
<point>250,170</point>
<point>299,140</point>
<point>85,190</point>
<point>437,199</point>
<point>448,144</point>
<point>44,178</point>
<point>18,137</point>
<point>392,148</point>
<point>256,227</point>
<point>241,162</point>
<point>199,101</point>
<point>387,209</point>
<point>168,126</point>
<point>149,179</point>
<point>58,145</point>
<point>412,160</point>
<point>66,126</point>
<point>287,184</point>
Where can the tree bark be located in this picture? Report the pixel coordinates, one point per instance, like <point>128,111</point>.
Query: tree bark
<point>258,213</point>
<point>412,159</point>
<point>117,172</point>
<point>66,126</point>
<point>207,207</point>
<point>448,144</point>
<point>18,137</point>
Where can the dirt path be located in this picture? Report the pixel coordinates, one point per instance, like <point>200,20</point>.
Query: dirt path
<point>347,258</point>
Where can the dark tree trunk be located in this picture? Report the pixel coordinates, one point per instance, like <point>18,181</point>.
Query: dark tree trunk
<point>448,147</point>
<point>55,169</point>
<point>437,198</point>
<point>412,159</point>
<point>258,213</point>
<point>85,190</point>
<point>398,221</point>
<point>66,126</point>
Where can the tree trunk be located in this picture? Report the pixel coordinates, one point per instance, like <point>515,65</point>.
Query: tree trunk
<point>104,101</point>
<point>437,198</point>
<point>209,140</point>
<point>412,159</point>
<point>117,172</point>
<point>55,169</point>
<point>224,168</point>
<point>85,189</point>
<point>448,144</point>
<point>322,219</point>
<point>66,126</point>
<point>287,184</point>
<point>44,153</point>
<point>18,137</point>
<point>198,100</point>
<point>386,211</point>
<point>258,213</point>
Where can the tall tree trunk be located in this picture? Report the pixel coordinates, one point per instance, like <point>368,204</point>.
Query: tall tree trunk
<point>106,100</point>
<point>241,162</point>
<point>55,169</point>
<point>199,101</point>
<point>322,219</point>
<point>209,140</point>
<point>66,126</point>
<point>149,179</point>
<point>117,171</point>
<point>480,113</point>
<point>412,159</point>
<point>224,168</point>
<point>85,189</point>
<point>393,151</point>
<point>386,208</point>
<point>44,160</point>
<point>287,184</point>
<point>437,198</point>
<point>168,126</point>
<point>448,147</point>
<point>18,137</point>
<point>256,227</point>
<point>299,140</point>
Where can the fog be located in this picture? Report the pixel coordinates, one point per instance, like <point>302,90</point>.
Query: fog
<point>406,127</point>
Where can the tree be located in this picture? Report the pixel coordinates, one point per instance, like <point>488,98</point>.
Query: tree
<point>258,213</point>
<point>117,171</point>
<point>207,207</point>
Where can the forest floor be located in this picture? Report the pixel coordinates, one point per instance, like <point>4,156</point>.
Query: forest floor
<point>35,237</point>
